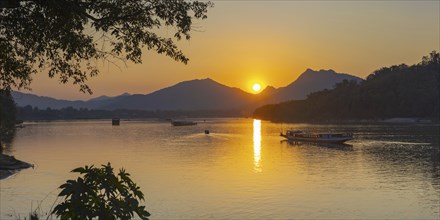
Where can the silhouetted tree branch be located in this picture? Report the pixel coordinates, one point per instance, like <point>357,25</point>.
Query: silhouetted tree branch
<point>60,36</point>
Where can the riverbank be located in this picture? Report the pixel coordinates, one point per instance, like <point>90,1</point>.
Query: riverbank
<point>386,121</point>
<point>9,165</point>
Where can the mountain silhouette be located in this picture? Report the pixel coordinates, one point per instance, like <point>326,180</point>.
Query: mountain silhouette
<point>43,102</point>
<point>198,94</point>
<point>308,82</point>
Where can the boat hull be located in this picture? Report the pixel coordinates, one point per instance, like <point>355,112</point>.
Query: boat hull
<point>183,123</point>
<point>337,140</point>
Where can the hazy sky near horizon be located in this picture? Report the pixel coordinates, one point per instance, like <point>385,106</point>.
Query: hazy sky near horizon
<point>272,43</point>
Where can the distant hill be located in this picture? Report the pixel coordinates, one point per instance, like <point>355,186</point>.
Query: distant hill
<point>43,102</point>
<point>308,82</point>
<point>200,94</point>
<point>398,91</point>
<point>197,95</point>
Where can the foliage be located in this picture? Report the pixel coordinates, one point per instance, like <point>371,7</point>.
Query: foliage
<point>34,216</point>
<point>7,110</point>
<point>100,194</point>
<point>33,113</point>
<point>396,91</point>
<point>67,37</point>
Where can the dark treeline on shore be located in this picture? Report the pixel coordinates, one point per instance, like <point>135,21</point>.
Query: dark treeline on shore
<point>32,113</point>
<point>7,117</point>
<point>391,92</point>
<point>7,110</point>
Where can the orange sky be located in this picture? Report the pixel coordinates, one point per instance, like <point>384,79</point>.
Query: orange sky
<point>272,42</point>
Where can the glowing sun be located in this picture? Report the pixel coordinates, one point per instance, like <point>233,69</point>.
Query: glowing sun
<point>256,87</point>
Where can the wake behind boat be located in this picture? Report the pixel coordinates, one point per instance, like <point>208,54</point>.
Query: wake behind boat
<point>297,135</point>
<point>183,123</point>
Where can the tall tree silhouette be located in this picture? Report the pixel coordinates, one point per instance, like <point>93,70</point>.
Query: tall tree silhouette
<point>66,37</point>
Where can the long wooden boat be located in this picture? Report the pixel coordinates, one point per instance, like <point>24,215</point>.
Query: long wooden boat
<point>183,123</point>
<point>298,135</point>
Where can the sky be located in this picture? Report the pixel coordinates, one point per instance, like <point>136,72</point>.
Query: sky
<point>272,43</point>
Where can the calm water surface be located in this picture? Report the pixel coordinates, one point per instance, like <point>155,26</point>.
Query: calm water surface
<point>241,169</point>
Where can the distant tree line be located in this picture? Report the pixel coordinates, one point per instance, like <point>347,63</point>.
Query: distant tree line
<point>34,113</point>
<point>396,91</point>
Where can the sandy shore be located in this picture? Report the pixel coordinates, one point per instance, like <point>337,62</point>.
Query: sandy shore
<point>9,165</point>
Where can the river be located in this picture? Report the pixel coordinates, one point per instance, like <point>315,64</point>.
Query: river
<point>241,170</point>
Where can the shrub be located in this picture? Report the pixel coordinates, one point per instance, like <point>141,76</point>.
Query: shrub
<point>101,194</point>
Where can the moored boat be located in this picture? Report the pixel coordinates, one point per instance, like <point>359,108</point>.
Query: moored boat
<point>298,135</point>
<point>183,123</point>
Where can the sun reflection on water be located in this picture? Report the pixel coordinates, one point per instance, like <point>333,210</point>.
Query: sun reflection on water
<point>257,145</point>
